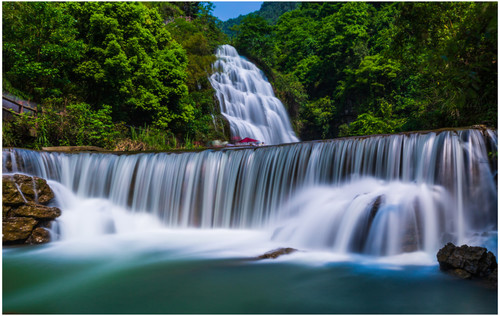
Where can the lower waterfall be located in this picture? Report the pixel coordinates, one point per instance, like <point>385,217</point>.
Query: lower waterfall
<point>380,195</point>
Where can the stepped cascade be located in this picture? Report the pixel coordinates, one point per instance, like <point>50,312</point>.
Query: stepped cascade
<point>247,100</point>
<point>379,195</point>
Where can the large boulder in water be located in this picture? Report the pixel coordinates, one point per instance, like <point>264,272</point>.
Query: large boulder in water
<point>469,262</point>
<point>24,211</point>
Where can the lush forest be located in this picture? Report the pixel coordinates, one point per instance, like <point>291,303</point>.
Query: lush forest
<point>357,68</point>
<point>269,11</point>
<point>134,75</point>
<point>105,72</point>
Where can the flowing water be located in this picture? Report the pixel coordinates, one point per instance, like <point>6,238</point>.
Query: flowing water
<point>247,100</point>
<point>176,232</point>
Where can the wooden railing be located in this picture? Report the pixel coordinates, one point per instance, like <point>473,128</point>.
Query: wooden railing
<point>12,105</point>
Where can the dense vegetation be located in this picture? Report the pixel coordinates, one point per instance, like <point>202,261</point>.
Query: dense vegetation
<point>134,74</point>
<point>103,69</point>
<point>269,11</point>
<point>359,68</point>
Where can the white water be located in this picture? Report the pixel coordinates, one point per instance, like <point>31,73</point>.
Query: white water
<point>377,196</point>
<point>247,100</point>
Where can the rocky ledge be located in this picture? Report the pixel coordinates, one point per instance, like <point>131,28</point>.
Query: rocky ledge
<point>25,214</point>
<point>468,262</point>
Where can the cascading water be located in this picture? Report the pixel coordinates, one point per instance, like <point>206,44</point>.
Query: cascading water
<point>379,195</point>
<point>247,100</point>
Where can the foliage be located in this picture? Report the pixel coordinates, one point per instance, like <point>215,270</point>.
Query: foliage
<point>254,37</point>
<point>137,63</point>
<point>368,124</point>
<point>78,125</point>
<point>270,11</point>
<point>381,67</point>
<point>40,43</point>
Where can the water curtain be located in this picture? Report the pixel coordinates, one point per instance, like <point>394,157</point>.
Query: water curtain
<point>377,195</point>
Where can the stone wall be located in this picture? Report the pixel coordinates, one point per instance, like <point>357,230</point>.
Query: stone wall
<point>25,214</point>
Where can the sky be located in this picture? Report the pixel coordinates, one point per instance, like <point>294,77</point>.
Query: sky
<point>228,10</point>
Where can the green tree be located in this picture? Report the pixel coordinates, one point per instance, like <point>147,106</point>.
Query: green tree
<point>40,42</point>
<point>131,63</point>
<point>254,38</point>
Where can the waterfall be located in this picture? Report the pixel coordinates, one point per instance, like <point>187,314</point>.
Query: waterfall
<point>377,195</point>
<point>247,100</point>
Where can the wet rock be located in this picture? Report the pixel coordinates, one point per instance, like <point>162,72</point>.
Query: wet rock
<point>5,210</point>
<point>10,194</point>
<point>39,235</point>
<point>468,262</point>
<point>273,254</point>
<point>37,211</point>
<point>462,274</point>
<point>17,229</point>
<point>23,210</point>
<point>19,189</point>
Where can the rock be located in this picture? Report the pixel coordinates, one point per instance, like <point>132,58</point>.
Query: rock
<point>468,262</point>
<point>492,279</point>
<point>273,254</point>
<point>39,235</point>
<point>10,194</point>
<point>5,210</point>
<point>19,189</point>
<point>37,211</point>
<point>17,229</point>
<point>462,274</point>
<point>34,189</point>
<point>23,210</point>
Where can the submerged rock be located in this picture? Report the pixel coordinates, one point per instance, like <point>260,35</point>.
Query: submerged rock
<point>273,254</point>
<point>468,262</point>
<point>24,213</point>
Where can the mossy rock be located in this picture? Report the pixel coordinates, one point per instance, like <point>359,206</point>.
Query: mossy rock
<point>17,229</point>
<point>10,193</point>
<point>39,235</point>
<point>37,211</point>
<point>19,189</point>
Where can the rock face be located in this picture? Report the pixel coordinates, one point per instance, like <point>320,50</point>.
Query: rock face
<point>25,214</point>
<point>469,263</point>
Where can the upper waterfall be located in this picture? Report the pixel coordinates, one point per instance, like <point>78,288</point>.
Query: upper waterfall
<point>247,100</point>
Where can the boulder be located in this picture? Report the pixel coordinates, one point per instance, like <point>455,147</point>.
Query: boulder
<point>10,193</point>
<point>39,235</point>
<point>17,229</point>
<point>273,254</point>
<point>24,214</point>
<point>37,211</point>
<point>468,262</point>
<point>19,189</point>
